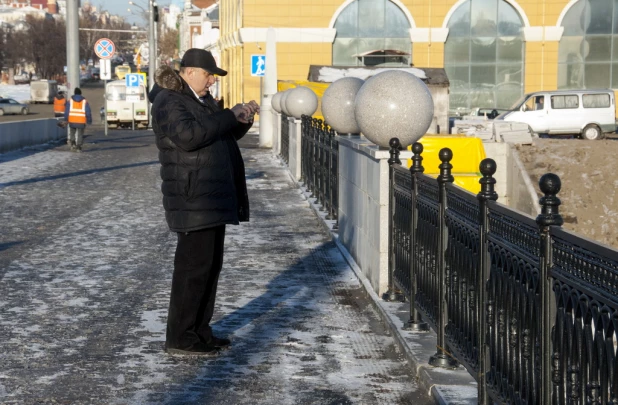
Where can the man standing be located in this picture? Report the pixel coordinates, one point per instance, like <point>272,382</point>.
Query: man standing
<point>204,189</point>
<point>59,104</point>
<point>77,114</point>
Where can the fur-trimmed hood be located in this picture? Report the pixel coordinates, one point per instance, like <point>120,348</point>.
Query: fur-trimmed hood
<point>166,78</point>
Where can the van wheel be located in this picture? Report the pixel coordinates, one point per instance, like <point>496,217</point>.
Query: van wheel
<point>592,132</point>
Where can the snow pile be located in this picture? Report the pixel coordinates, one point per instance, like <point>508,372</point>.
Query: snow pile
<point>329,74</point>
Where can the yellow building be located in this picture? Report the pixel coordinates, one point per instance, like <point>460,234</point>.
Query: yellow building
<point>492,50</point>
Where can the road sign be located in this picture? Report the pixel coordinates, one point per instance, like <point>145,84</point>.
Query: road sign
<point>133,79</point>
<point>104,48</point>
<point>105,69</point>
<point>258,65</point>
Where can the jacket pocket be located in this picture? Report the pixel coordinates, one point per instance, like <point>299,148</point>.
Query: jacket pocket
<point>190,186</point>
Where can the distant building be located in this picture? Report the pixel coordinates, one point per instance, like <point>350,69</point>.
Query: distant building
<point>492,50</point>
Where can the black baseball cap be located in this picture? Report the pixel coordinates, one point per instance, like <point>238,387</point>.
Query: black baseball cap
<point>201,58</point>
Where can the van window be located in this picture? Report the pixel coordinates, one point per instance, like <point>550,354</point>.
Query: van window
<point>116,93</point>
<point>563,102</point>
<point>596,100</point>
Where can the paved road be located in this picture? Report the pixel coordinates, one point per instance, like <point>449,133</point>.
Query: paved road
<point>92,91</point>
<point>85,272</point>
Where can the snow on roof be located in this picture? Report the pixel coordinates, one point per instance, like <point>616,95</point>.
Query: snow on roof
<point>329,74</point>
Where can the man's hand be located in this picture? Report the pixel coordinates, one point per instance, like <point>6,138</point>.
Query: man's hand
<point>244,112</point>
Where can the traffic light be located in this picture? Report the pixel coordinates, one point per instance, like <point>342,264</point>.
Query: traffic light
<point>155,13</point>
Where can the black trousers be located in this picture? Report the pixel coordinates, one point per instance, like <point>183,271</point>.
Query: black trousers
<point>197,264</point>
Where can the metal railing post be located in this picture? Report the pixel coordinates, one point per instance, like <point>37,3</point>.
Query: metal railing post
<point>550,373</point>
<point>442,358</point>
<point>488,169</point>
<point>415,322</point>
<point>391,294</point>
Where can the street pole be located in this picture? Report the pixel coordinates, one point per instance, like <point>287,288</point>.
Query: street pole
<point>105,95</point>
<point>151,45</point>
<point>152,52</point>
<point>155,29</point>
<point>72,46</point>
<point>72,34</point>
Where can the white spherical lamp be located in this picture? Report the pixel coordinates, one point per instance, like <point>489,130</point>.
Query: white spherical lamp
<point>282,102</point>
<point>276,101</point>
<point>393,104</point>
<point>338,105</point>
<point>301,101</point>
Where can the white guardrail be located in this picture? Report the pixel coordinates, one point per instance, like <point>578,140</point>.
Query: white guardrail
<point>16,135</point>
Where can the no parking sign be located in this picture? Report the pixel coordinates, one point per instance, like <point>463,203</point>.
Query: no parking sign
<point>104,48</point>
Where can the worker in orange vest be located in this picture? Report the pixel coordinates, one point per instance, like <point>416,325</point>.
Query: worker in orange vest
<point>59,104</point>
<point>77,114</point>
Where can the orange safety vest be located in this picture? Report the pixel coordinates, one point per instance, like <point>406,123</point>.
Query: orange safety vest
<point>59,104</point>
<point>77,112</point>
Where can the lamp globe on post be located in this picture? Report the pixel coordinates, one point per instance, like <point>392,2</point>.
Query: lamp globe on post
<point>394,104</point>
<point>338,105</point>
<point>276,101</point>
<point>284,97</point>
<point>301,101</point>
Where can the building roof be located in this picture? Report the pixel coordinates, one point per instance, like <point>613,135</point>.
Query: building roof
<point>434,76</point>
<point>203,3</point>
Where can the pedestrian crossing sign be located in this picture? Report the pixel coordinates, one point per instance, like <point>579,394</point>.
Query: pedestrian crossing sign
<point>258,65</point>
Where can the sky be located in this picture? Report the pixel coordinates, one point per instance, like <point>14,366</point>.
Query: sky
<point>119,7</point>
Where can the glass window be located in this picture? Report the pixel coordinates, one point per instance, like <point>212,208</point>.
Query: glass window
<point>588,49</point>
<point>485,43</point>
<point>372,32</point>
<point>564,102</point>
<point>596,100</point>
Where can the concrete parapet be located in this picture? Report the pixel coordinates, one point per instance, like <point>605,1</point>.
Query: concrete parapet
<point>19,134</point>
<point>363,205</point>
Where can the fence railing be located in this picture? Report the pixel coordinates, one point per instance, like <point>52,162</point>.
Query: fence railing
<point>319,163</point>
<point>285,138</point>
<point>528,308</point>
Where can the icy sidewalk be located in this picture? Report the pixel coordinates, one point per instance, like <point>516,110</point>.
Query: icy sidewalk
<point>85,284</point>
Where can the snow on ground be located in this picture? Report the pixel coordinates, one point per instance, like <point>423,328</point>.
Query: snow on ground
<point>19,92</point>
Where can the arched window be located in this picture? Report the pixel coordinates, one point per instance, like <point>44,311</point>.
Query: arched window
<point>588,53</point>
<point>484,55</point>
<point>372,32</point>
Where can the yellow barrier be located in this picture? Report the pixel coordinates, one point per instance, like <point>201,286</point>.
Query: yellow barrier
<point>468,153</point>
<point>318,88</point>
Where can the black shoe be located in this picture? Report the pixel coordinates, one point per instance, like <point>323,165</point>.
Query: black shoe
<point>197,349</point>
<point>220,342</point>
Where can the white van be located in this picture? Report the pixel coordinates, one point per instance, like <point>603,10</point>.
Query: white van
<point>43,91</point>
<point>126,110</point>
<point>586,113</point>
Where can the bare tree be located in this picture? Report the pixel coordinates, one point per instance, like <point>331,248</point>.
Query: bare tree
<point>42,43</point>
<point>168,44</point>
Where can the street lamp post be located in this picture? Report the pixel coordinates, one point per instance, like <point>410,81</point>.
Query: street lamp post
<point>152,47</point>
<point>152,52</point>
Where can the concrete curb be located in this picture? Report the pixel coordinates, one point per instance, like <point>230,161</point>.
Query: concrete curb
<point>448,387</point>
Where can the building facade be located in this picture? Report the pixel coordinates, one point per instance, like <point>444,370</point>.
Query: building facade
<point>493,50</point>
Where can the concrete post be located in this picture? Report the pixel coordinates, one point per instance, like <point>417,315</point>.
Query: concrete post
<point>268,90</point>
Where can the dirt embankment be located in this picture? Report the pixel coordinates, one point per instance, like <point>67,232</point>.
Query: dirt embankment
<point>589,174</point>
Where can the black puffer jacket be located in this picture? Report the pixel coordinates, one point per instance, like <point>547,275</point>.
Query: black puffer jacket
<point>202,169</point>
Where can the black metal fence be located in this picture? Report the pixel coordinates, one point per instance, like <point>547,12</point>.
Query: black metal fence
<point>285,138</point>
<point>319,163</point>
<point>528,308</point>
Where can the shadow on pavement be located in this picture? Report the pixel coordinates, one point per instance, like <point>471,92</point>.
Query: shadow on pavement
<point>8,245</point>
<point>80,173</point>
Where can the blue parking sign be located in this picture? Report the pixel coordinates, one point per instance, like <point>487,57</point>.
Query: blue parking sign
<point>258,65</point>
<point>132,80</point>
